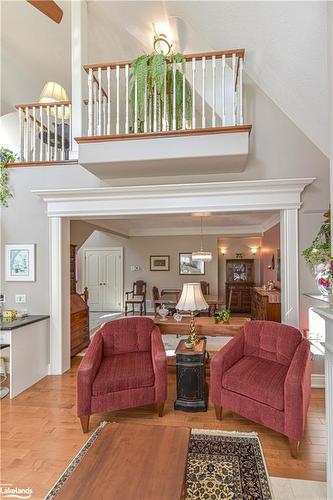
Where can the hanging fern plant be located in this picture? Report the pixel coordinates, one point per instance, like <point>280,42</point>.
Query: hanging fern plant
<point>319,252</point>
<point>152,71</point>
<point>6,156</point>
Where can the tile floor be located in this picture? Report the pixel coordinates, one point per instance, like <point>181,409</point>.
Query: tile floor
<point>297,489</point>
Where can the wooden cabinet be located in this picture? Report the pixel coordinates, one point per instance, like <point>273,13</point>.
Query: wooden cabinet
<point>192,392</point>
<point>79,311</point>
<point>240,278</point>
<point>266,305</point>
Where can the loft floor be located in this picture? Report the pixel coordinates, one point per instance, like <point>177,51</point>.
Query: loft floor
<point>41,433</point>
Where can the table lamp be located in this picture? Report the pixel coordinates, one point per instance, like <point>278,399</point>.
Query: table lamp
<point>192,300</point>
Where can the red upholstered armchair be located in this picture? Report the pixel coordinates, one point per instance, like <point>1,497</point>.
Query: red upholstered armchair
<point>125,366</point>
<point>264,374</point>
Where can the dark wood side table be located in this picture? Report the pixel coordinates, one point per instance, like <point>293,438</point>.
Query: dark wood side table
<point>192,393</point>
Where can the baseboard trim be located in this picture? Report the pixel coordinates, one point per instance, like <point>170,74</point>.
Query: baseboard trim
<point>318,381</point>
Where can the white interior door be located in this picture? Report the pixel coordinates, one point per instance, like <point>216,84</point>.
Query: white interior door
<point>104,279</point>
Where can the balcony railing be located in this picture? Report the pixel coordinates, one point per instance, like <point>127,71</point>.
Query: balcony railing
<point>45,131</point>
<point>209,87</point>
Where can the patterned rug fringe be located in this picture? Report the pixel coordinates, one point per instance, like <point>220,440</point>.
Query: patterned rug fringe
<point>75,462</point>
<point>216,432</point>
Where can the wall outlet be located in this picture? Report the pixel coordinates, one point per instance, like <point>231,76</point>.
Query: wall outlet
<point>20,299</point>
<point>135,268</point>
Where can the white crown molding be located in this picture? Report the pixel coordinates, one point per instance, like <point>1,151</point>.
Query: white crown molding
<point>189,231</point>
<point>271,222</point>
<point>175,198</point>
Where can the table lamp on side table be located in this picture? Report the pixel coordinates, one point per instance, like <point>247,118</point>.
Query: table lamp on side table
<point>192,300</point>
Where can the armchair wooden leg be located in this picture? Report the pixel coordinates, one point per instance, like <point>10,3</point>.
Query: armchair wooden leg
<point>294,447</point>
<point>160,408</point>
<point>85,423</point>
<point>218,412</point>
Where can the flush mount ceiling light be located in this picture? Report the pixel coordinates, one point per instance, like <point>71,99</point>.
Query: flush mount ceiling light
<point>201,254</point>
<point>161,43</point>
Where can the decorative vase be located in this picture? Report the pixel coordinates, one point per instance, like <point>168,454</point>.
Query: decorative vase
<point>163,312</point>
<point>323,283</point>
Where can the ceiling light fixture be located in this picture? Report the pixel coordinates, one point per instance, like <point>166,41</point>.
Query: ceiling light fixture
<point>201,254</point>
<point>161,43</point>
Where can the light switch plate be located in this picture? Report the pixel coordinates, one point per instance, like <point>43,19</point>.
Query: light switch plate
<point>20,298</point>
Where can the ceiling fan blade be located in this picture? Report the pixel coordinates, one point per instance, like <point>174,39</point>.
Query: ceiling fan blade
<point>49,8</point>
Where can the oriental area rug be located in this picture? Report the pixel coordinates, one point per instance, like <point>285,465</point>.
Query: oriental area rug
<point>220,466</point>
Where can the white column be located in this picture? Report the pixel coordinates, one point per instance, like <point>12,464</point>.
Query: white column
<point>79,53</point>
<point>289,267</point>
<point>327,314</point>
<point>59,242</point>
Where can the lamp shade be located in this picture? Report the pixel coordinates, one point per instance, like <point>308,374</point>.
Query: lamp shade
<point>192,298</point>
<point>53,92</point>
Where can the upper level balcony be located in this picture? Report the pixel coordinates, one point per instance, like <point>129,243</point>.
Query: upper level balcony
<point>178,117</point>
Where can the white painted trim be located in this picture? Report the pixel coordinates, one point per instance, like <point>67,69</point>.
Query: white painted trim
<point>271,222</point>
<point>318,380</point>
<point>59,237</point>
<point>274,194</point>
<point>101,249</point>
<point>212,230</point>
<point>289,267</point>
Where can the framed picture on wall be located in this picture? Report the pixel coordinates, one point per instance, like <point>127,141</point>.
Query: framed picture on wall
<point>160,262</point>
<point>20,262</point>
<point>189,266</point>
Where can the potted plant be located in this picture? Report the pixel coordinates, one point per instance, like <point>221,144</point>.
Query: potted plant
<point>318,256</point>
<point>6,156</point>
<point>224,315</point>
<point>154,71</point>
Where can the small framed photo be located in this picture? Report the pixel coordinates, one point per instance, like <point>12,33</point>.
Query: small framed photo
<point>189,266</point>
<point>160,262</point>
<point>20,262</point>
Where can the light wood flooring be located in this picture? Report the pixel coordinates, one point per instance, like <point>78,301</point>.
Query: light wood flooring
<point>41,434</point>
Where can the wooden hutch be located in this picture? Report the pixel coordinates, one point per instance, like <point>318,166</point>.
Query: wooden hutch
<point>239,282</point>
<point>79,311</point>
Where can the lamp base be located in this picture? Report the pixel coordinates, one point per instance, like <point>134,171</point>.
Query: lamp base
<point>3,392</point>
<point>192,338</point>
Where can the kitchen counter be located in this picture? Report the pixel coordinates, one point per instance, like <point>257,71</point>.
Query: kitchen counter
<point>18,323</point>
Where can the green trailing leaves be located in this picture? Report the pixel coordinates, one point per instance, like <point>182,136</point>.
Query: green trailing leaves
<point>319,252</point>
<point>6,156</point>
<point>155,71</point>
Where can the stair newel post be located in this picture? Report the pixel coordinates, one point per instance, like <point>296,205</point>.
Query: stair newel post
<point>174,117</point>
<point>126,100</point>
<point>41,142</point>
<point>21,125</point>
<point>34,133</point>
<point>99,125</point>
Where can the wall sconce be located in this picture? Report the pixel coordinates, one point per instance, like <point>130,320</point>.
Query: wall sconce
<point>254,251</point>
<point>223,251</point>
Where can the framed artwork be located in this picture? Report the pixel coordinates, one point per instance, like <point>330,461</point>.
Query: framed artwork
<point>20,262</point>
<point>160,262</point>
<point>189,266</point>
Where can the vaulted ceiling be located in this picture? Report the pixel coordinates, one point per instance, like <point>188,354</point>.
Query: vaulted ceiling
<point>285,42</point>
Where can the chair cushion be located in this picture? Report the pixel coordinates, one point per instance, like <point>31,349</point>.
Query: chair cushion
<point>271,340</point>
<point>124,371</point>
<point>258,379</point>
<point>126,335</point>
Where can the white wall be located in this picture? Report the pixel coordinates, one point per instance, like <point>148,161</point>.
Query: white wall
<point>137,251</point>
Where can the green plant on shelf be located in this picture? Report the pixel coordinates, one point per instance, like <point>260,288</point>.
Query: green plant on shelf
<point>224,315</point>
<point>319,252</point>
<point>6,156</point>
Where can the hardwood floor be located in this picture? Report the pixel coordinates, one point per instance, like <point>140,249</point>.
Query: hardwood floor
<point>41,434</point>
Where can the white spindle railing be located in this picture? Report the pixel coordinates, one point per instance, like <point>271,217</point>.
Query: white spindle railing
<point>45,131</point>
<point>210,97</point>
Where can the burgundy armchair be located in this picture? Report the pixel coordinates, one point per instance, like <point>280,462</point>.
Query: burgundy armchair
<point>125,366</point>
<point>264,374</point>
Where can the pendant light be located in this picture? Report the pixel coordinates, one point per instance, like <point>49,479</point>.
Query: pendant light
<point>201,254</point>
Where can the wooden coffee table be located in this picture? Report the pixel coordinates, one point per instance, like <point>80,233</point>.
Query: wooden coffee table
<point>131,462</point>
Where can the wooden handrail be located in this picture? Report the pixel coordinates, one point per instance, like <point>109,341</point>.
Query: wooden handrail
<point>188,57</point>
<point>43,104</point>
